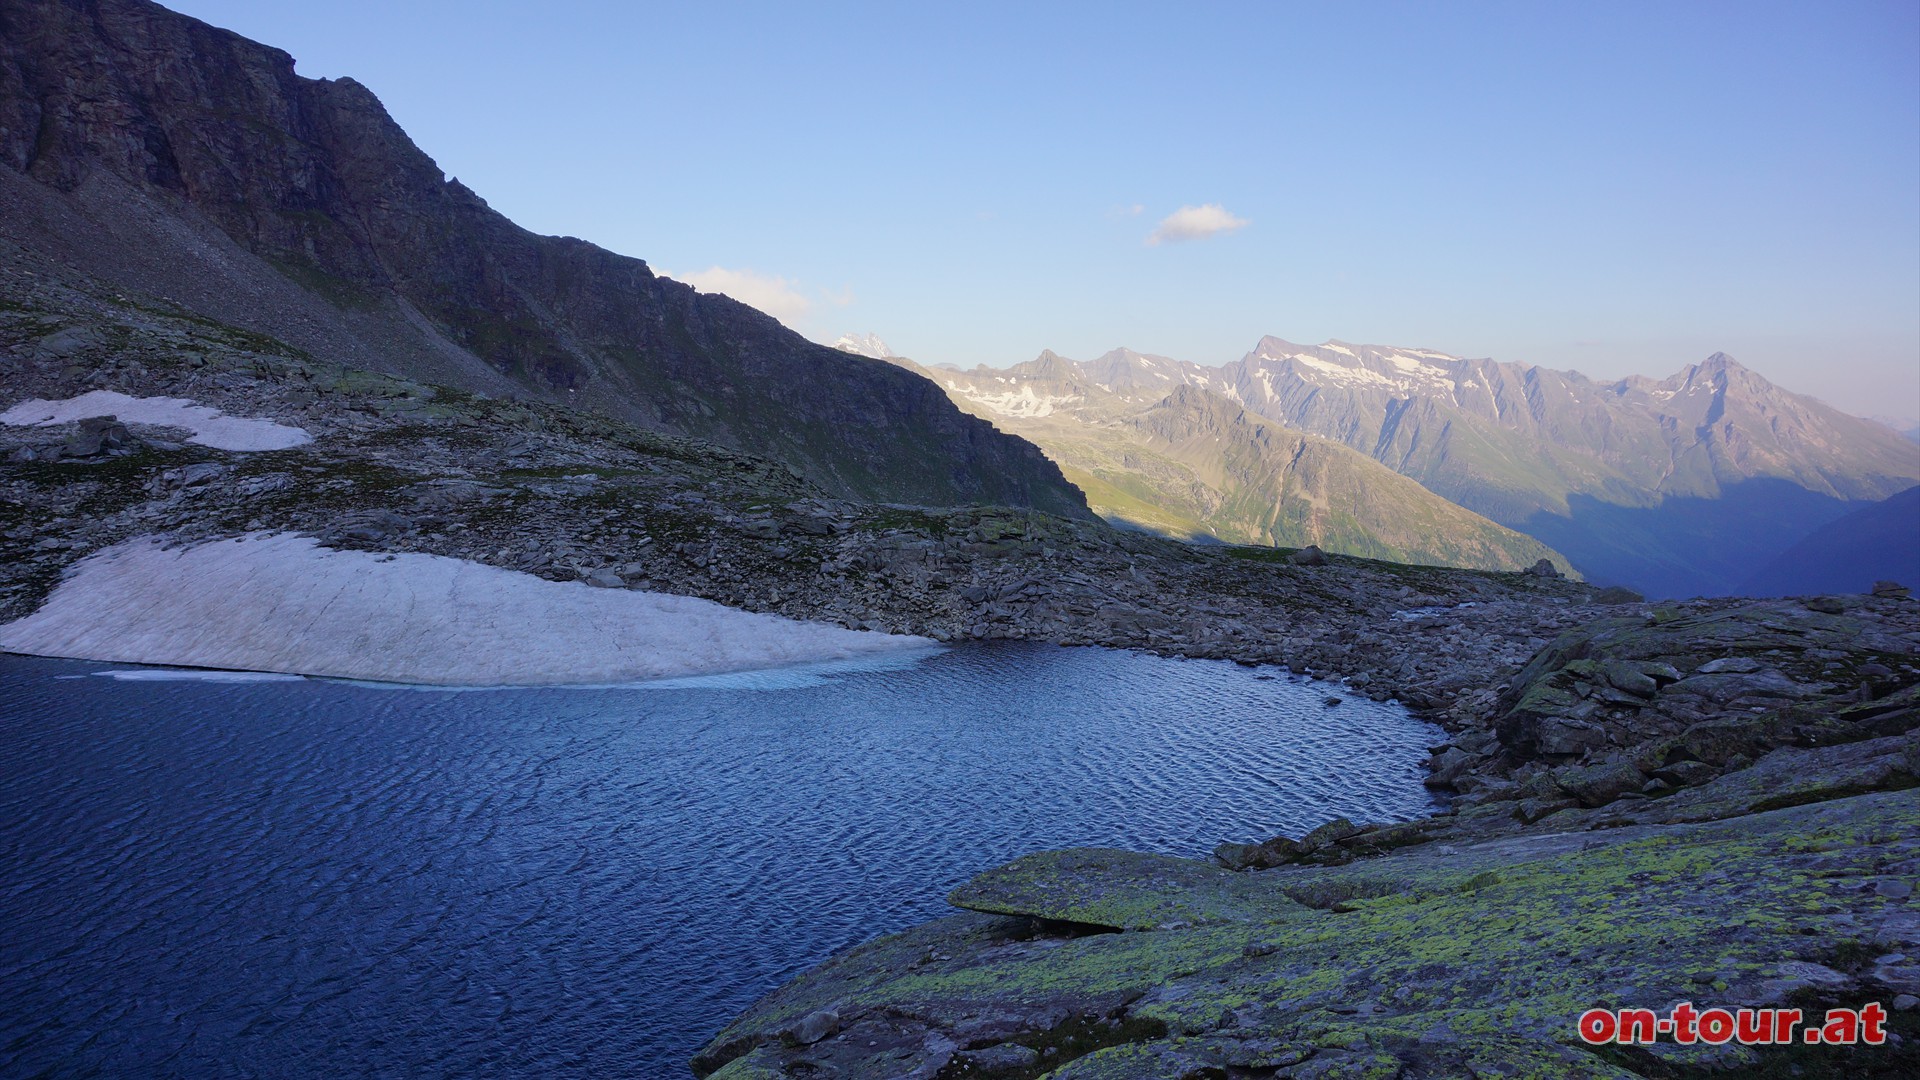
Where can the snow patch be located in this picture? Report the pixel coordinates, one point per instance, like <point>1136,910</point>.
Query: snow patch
<point>1331,347</point>
<point>1341,373</point>
<point>281,603</point>
<point>1021,402</point>
<point>1415,366</point>
<point>210,427</point>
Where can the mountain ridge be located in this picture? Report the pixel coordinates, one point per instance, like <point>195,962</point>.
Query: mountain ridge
<point>1678,485</point>
<point>181,161</point>
<point>1156,447</point>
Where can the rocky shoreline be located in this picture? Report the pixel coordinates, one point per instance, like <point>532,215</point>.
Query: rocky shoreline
<point>1714,804</point>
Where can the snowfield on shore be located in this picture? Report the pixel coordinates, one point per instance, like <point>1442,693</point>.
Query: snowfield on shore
<point>280,602</point>
<point>210,427</point>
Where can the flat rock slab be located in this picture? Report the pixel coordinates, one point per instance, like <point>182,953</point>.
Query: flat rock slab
<point>1119,890</point>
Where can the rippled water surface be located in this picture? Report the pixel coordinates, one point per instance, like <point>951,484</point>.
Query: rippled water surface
<point>308,878</point>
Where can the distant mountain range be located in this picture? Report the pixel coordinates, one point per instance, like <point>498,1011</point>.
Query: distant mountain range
<point>189,166</point>
<point>1154,446</point>
<point>1679,486</point>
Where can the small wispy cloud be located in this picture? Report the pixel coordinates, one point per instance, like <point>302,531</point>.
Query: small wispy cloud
<point>774,295</point>
<point>1127,211</point>
<point>1194,223</point>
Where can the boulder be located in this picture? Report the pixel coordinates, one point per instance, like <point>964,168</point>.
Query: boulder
<point>1329,834</point>
<point>1558,735</point>
<point>1265,855</point>
<point>1630,677</point>
<point>1528,811</point>
<point>1544,569</point>
<point>1449,766</point>
<point>814,1026</point>
<point>200,472</point>
<point>1597,785</point>
<point>605,579</point>
<point>98,435</point>
<point>1311,555</point>
<point>1723,741</point>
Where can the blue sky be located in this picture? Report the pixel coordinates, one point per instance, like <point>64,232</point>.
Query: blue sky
<point>1618,188</point>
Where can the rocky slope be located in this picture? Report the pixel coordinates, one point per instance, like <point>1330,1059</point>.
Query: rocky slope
<point>1713,803</point>
<point>1159,447</point>
<point>172,159</point>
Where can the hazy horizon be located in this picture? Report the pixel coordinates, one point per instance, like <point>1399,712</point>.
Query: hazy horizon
<point>1617,191</point>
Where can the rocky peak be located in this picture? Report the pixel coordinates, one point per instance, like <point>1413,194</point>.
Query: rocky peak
<point>868,345</point>
<point>1049,365</point>
<point>1273,348</point>
<point>170,158</point>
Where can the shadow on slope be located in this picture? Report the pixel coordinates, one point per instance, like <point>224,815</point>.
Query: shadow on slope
<point>1878,543</point>
<point>1687,546</point>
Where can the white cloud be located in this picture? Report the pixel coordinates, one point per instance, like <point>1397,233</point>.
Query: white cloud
<point>1195,223</point>
<point>776,296</point>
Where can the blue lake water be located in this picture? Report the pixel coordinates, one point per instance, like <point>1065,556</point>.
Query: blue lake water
<point>310,878</point>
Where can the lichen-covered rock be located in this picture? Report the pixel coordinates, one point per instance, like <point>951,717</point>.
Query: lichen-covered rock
<point>1597,785</point>
<point>1110,889</point>
<point>1436,960</point>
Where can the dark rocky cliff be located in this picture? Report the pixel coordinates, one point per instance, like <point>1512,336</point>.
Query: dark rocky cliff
<point>174,159</point>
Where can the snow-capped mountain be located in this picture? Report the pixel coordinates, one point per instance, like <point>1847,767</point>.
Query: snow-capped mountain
<point>1158,443</point>
<point>864,345</point>
<point>1676,486</point>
